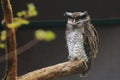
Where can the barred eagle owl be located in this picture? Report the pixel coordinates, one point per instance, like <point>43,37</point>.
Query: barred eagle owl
<point>81,37</point>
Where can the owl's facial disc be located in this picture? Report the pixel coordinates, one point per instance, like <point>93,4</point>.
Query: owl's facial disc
<point>76,18</point>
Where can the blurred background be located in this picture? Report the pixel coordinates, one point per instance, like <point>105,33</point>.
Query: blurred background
<point>106,65</point>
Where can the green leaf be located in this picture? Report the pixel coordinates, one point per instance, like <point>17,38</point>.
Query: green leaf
<point>44,35</point>
<point>2,45</point>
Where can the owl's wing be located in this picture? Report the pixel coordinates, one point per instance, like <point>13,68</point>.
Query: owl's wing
<point>90,41</point>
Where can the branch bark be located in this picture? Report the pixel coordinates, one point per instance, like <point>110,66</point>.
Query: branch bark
<point>11,68</point>
<point>56,71</point>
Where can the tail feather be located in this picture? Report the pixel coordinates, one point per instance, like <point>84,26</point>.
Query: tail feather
<point>86,66</point>
<point>85,69</point>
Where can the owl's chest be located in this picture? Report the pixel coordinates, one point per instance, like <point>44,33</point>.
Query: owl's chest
<point>75,37</point>
<point>75,42</point>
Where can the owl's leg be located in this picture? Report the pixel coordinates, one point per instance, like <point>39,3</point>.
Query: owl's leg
<point>76,57</point>
<point>72,57</point>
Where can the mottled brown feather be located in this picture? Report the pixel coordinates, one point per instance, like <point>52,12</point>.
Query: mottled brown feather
<point>90,42</point>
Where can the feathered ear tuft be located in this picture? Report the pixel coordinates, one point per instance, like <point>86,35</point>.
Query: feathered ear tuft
<point>67,14</point>
<point>85,12</point>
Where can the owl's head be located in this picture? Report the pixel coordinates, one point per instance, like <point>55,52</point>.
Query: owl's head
<point>77,17</point>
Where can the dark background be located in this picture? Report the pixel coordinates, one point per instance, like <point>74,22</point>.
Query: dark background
<point>107,63</point>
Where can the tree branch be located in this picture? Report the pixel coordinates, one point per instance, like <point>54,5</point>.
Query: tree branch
<point>56,71</point>
<point>7,11</point>
<point>11,68</point>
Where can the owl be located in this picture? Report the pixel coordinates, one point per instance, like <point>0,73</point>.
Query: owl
<point>82,38</point>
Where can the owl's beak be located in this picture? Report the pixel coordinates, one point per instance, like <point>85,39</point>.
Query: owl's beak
<point>74,21</point>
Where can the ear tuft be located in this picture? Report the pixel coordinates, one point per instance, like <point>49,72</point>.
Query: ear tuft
<point>85,12</point>
<point>67,14</point>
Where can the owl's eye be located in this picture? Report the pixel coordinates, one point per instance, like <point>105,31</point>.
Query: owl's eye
<point>81,17</point>
<point>70,17</point>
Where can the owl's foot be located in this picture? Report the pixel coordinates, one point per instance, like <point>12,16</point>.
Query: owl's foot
<point>73,57</point>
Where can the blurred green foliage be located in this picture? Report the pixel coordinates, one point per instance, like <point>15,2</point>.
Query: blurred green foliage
<point>21,19</point>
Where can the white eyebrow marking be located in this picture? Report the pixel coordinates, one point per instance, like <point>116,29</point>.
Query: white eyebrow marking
<point>82,13</point>
<point>69,13</point>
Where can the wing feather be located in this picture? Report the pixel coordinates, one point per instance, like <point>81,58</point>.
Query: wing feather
<point>90,42</point>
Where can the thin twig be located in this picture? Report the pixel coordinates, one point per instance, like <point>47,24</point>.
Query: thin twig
<point>22,49</point>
